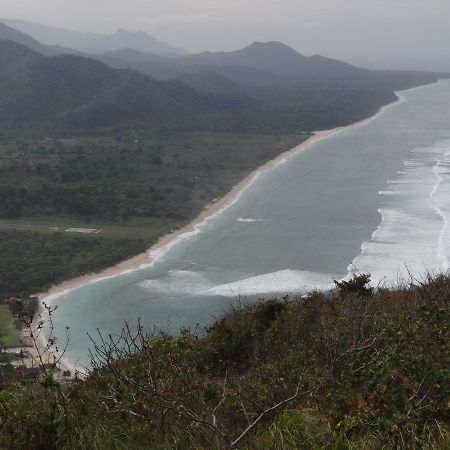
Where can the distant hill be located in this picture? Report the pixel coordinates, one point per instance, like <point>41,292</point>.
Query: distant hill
<point>11,34</point>
<point>171,68</point>
<point>75,91</point>
<point>269,65</point>
<point>280,60</point>
<point>94,42</point>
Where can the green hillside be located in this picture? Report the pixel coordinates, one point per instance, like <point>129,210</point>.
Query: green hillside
<point>353,369</point>
<point>73,92</point>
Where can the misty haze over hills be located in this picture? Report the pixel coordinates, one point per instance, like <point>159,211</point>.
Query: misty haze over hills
<point>11,34</point>
<point>264,85</point>
<point>94,42</point>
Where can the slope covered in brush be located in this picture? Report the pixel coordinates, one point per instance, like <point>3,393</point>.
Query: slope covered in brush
<point>350,369</point>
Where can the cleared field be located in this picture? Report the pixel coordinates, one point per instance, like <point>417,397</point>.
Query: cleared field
<point>139,228</point>
<point>10,336</point>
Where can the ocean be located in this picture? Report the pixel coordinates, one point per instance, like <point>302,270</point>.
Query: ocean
<point>373,198</point>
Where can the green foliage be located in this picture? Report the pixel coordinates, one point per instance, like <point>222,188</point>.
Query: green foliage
<point>358,285</point>
<point>46,259</point>
<point>128,174</point>
<point>302,428</point>
<point>349,370</point>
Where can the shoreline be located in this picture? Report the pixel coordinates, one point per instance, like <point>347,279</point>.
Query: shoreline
<point>166,242</point>
<point>211,211</point>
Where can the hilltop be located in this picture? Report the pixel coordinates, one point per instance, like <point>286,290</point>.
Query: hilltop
<point>281,60</point>
<point>349,369</point>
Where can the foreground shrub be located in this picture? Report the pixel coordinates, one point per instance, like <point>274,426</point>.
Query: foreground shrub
<point>353,369</point>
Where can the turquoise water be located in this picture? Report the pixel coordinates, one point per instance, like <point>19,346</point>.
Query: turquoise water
<point>374,197</point>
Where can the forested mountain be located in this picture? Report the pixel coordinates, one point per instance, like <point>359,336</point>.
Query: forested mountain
<point>281,60</point>
<point>270,64</point>
<point>271,72</point>
<point>170,68</point>
<point>266,86</point>
<point>77,91</point>
<point>94,42</point>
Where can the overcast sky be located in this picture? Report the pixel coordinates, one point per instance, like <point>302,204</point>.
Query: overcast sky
<point>375,33</point>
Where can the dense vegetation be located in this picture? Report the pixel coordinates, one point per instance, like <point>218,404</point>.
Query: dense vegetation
<point>73,92</point>
<point>32,262</point>
<point>129,174</point>
<point>351,369</point>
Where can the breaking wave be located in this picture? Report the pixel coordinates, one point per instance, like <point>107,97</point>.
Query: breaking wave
<point>414,234</point>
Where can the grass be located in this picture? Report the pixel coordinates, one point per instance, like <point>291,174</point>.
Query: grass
<point>10,336</point>
<point>137,228</point>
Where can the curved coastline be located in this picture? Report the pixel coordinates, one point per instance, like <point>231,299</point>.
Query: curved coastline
<point>150,257</point>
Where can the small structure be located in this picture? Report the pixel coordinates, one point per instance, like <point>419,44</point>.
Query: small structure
<point>82,230</point>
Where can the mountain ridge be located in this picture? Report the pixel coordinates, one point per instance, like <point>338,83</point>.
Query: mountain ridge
<point>89,42</point>
<point>280,59</point>
<point>83,92</point>
<point>270,64</point>
<point>11,34</point>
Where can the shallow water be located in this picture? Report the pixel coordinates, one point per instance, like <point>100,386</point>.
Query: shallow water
<point>373,198</point>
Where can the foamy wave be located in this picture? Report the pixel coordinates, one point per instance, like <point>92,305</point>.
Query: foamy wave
<point>284,281</point>
<point>177,282</point>
<point>441,199</point>
<point>249,220</point>
<point>414,234</point>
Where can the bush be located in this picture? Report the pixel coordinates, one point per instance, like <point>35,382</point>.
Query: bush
<point>343,370</point>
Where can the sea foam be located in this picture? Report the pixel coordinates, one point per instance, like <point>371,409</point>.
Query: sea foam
<point>413,237</point>
<point>285,281</point>
<point>177,282</point>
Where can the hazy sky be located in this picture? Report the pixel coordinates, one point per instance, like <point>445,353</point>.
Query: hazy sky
<point>383,33</point>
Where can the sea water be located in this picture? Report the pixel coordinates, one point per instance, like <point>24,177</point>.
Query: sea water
<point>373,198</point>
